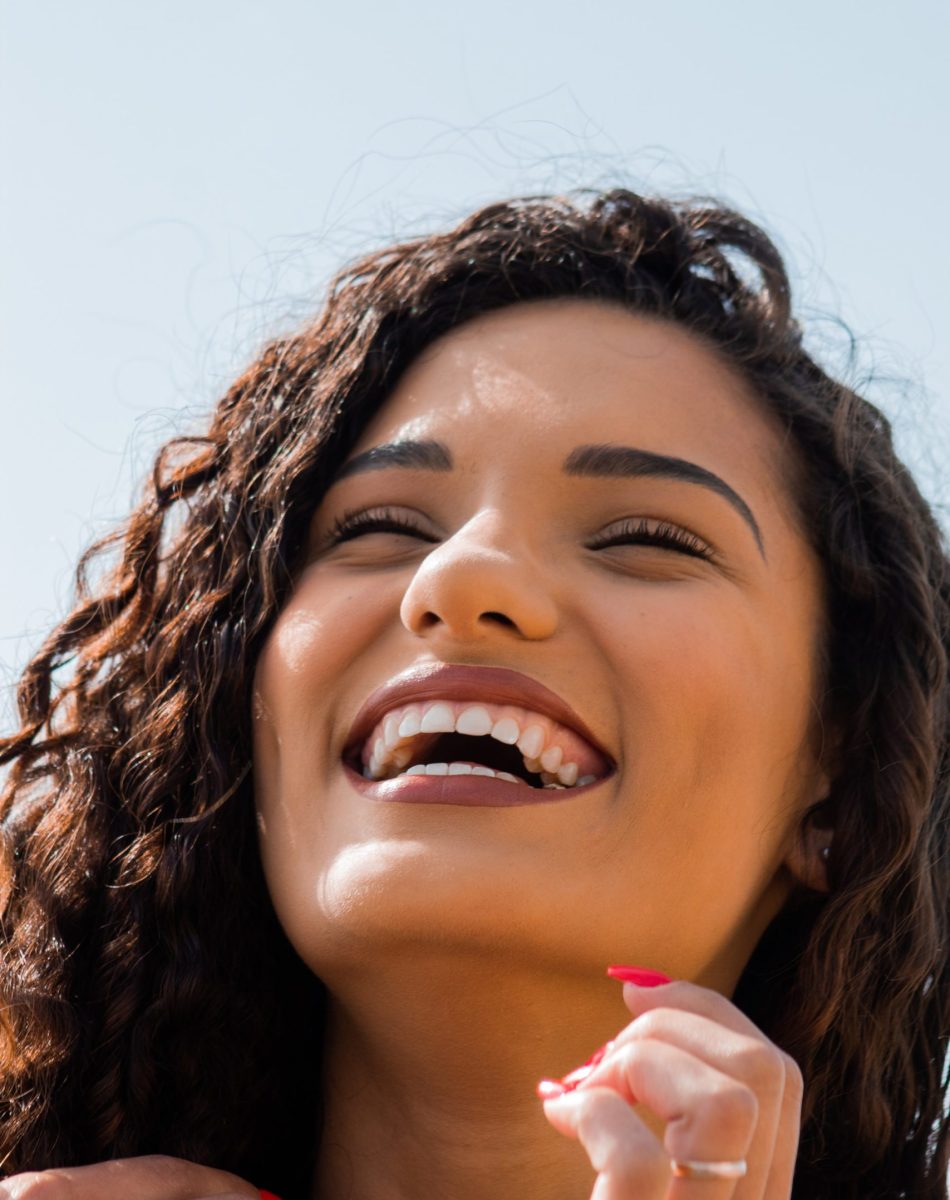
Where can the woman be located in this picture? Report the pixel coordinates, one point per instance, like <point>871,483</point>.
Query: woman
<point>542,606</point>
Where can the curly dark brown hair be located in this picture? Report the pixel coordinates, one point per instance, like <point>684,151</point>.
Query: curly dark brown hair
<point>150,1000</point>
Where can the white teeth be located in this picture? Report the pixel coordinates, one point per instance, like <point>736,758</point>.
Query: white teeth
<point>551,758</point>
<point>438,719</point>
<point>531,742</point>
<point>393,747</point>
<point>506,730</point>
<point>474,721</point>
<point>409,726</point>
<point>568,774</point>
<point>460,769</point>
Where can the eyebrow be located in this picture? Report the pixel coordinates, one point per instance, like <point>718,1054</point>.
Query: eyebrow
<point>626,462</point>
<point>606,461</point>
<point>425,456</point>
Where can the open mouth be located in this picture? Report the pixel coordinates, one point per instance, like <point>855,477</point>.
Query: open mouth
<point>459,737</point>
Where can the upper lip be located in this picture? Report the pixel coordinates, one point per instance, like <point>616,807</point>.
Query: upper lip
<point>449,681</point>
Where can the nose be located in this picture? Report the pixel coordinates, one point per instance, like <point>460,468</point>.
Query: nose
<point>479,582</point>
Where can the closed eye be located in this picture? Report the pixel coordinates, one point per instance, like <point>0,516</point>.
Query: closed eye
<point>381,520</point>
<point>661,534</point>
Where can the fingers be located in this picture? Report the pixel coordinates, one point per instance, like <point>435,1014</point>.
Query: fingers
<point>710,1027</point>
<point>689,997</point>
<point>629,1160</point>
<point>151,1177</point>
<point>722,1090</point>
<point>751,1061</point>
<point>708,1115</point>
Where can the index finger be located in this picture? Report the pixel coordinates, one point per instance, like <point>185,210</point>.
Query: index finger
<point>690,997</point>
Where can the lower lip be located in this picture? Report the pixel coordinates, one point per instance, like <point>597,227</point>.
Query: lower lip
<point>470,791</point>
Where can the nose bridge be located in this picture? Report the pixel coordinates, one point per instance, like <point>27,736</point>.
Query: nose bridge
<point>483,576</point>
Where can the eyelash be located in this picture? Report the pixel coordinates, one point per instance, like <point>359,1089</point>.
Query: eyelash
<point>383,520</point>
<point>663,534</point>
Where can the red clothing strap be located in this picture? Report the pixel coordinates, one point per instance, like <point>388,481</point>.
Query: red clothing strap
<point>268,1195</point>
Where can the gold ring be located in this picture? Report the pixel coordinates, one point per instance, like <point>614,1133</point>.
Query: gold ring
<point>687,1168</point>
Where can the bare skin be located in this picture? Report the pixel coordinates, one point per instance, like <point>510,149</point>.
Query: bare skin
<point>464,947</point>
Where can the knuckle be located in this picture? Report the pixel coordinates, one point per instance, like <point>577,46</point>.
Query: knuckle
<point>729,1114</point>
<point>794,1079</point>
<point>160,1163</point>
<point>762,1065</point>
<point>627,1054</point>
<point>655,1022</point>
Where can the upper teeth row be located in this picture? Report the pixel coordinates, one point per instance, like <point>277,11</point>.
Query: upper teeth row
<point>531,733</point>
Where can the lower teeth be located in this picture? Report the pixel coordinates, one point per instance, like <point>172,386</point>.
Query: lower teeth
<point>549,782</point>
<point>461,769</point>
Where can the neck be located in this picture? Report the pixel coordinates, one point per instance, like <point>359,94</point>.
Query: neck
<point>430,1082</point>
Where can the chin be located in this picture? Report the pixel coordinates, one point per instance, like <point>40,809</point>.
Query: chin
<point>388,900</point>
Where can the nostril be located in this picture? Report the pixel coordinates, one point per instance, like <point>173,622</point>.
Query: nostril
<point>500,618</point>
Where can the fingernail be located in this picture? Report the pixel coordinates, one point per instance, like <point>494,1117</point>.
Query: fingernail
<point>641,976</point>
<point>547,1089</point>
<point>562,1104</point>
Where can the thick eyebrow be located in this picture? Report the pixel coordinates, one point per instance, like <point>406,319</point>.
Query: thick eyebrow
<point>425,456</point>
<point>609,461</point>
<point>596,462</point>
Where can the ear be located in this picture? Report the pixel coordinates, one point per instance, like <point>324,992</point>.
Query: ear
<point>810,840</point>
<point>809,852</point>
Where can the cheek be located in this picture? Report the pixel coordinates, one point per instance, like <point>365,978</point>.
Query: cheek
<point>717,696</point>
<point>318,634</point>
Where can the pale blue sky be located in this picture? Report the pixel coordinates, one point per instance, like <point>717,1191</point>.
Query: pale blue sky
<point>180,177</point>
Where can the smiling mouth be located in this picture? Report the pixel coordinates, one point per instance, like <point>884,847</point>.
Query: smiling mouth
<point>505,742</point>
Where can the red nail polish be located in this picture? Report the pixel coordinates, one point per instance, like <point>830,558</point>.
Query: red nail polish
<point>547,1089</point>
<point>641,976</point>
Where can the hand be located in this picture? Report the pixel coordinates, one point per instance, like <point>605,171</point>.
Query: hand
<point>723,1090</point>
<point>154,1177</point>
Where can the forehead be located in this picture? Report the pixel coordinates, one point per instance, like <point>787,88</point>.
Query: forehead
<point>568,371</point>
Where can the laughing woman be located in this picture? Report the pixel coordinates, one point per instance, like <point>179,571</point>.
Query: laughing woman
<point>542,607</point>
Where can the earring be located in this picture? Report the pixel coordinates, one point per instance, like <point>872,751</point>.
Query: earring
<point>825,853</point>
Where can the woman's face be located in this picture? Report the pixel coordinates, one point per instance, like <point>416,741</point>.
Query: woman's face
<point>594,501</point>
